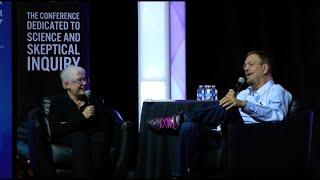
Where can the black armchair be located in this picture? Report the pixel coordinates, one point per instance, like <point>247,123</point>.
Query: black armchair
<point>264,149</point>
<point>50,159</point>
<point>271,149</point>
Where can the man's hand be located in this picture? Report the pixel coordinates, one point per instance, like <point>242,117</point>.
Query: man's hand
<point>230,100</point>
<point>89,112</point>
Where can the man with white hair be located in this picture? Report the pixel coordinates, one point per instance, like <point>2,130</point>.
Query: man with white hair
<point>79,124</point>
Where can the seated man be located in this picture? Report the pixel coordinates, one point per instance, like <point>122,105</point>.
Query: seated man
<point>262,101</point>
<point>81,125</point>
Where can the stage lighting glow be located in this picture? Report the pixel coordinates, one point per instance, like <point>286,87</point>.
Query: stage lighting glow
<point>178,50</point>
<point>161,51</point>
<point>153,51</point>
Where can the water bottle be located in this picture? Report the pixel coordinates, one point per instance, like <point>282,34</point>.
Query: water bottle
<point>213,93</point>
<point>200,93</point>
<point>216,95</point>
<point>208,92</point>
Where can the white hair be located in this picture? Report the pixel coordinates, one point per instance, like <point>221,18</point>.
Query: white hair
<point>70,73</point>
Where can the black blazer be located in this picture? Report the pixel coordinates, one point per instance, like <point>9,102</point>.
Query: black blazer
<point>65,117</point>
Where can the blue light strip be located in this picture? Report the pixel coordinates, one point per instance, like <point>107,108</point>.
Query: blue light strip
<point>6,90</point>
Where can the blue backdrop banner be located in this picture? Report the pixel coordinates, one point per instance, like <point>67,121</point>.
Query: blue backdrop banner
<point>6,90</point>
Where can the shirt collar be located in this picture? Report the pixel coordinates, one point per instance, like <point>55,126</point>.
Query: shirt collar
<point>263,88</point>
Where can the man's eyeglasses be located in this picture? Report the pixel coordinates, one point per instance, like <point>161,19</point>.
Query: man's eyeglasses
<point>80,81</point>
<point>250,64</point>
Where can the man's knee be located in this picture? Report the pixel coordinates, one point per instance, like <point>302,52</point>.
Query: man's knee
<point>189,127</point>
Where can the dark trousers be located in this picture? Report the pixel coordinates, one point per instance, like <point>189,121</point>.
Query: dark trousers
<point>89,153</point>
<point>195,132</point>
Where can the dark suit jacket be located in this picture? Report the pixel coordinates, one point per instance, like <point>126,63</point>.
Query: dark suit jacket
<point>65,117</point>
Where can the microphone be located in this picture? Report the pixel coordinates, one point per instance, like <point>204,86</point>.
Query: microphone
<point>239,85</point>
<point>87,93</point>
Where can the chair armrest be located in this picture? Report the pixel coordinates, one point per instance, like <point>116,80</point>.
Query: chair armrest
<point>269,148</point>
<point>61,156</point>
<point>117,116</point>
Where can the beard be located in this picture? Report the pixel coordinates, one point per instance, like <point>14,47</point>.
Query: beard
<point>250,81</point>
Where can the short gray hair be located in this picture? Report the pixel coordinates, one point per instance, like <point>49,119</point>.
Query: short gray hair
<point>69,74</point>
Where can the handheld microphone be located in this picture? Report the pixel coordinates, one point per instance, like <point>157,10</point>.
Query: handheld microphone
<point>239,85</point>
<point>87,93</point>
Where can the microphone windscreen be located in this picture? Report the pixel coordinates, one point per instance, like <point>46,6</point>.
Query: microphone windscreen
<point>87,93</point>
<point>241,80</point>
<point>239,84</point>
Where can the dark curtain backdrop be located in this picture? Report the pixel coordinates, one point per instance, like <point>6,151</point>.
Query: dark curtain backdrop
<point>114,61</point>
<point>219,35</point>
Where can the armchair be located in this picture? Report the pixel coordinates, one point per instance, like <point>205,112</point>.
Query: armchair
<point>271,149</point>
<point>50,159</point>
<point>264,149</point>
